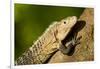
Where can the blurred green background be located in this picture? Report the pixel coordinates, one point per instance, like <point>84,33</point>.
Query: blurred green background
<point>32,20</point>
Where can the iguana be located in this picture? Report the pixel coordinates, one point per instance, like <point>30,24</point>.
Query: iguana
<point>49,42</point>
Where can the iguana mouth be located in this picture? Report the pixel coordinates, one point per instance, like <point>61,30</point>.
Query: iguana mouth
<point>69,36</point>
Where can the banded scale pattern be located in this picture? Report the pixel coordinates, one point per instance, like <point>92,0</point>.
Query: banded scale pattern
<point>38,53</point>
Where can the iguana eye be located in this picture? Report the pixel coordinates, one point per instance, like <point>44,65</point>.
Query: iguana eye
<point>64,22</point>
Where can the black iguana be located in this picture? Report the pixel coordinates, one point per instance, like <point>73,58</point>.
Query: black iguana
<point>48,43</point>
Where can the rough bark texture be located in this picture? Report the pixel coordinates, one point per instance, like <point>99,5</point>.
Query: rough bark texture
<point>85,50</point>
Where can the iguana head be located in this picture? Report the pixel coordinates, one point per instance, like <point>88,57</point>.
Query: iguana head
<point>65,26</point>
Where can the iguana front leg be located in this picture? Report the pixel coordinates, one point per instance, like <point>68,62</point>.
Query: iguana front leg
<point>65,49</point>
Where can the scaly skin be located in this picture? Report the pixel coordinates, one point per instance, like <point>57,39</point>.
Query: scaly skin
<point>48,43</point>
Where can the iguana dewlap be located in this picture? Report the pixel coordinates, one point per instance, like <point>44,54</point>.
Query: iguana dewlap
<point>48,43</point>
